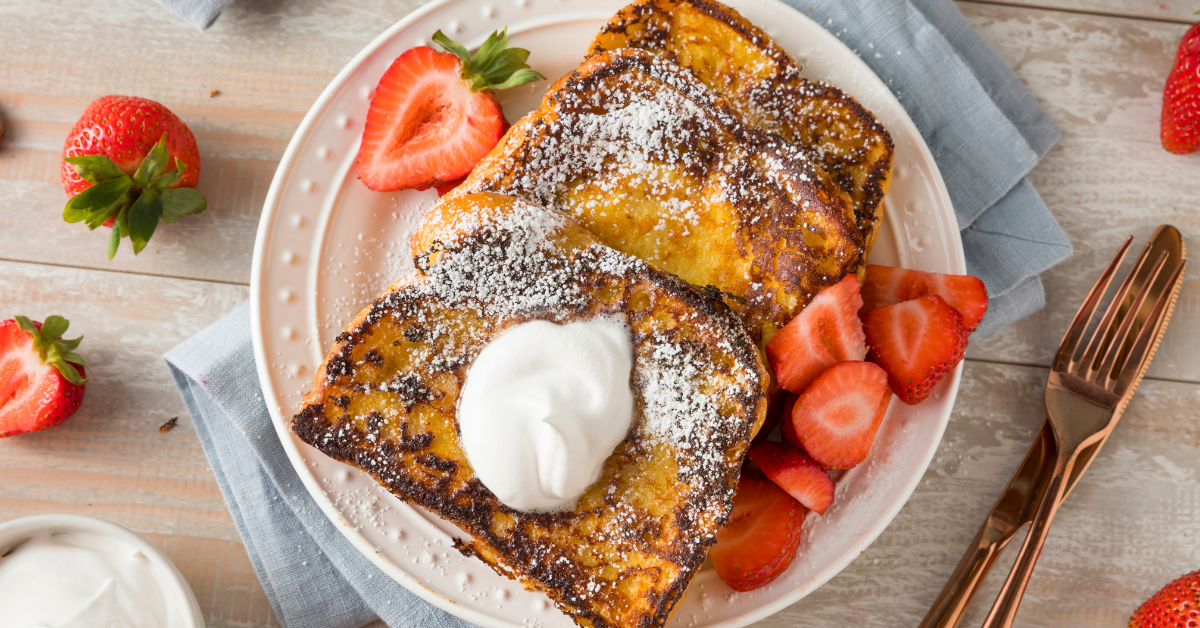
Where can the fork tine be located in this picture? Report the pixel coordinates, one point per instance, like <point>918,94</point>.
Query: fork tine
<point>1149,337</point>
<point>1086,365</point>
<point>1108,360</point>
<point>1070,341</point>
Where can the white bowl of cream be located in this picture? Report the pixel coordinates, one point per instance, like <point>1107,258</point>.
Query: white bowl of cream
<point>71,571</point>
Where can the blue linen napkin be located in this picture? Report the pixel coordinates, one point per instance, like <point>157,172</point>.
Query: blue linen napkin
<point>198,13</point>
<point>985,131</point>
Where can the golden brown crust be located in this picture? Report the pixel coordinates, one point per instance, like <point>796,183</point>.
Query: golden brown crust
<point>660,167</point>
<point>763,83</point>
<point>385,401</point>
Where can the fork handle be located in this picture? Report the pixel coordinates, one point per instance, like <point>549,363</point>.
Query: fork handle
<point>1004,611</point>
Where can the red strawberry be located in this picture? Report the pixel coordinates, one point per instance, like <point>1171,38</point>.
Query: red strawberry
<point>836,418</point>
<point>787,429</point>
<point>760,538</point>
<point>825,332</point>
<point>774,410</point>
<point>917,342</point>
<point>1181,97</point>
<point>1177,604</point>
<point>130,162</point>
<point>433,115</point>
<point>41,378</point>
<point>886,285</point>
<point>796,473</point>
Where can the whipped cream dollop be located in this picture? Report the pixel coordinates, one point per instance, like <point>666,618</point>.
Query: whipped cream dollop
<point>77,580</point>
<point>543,407</point>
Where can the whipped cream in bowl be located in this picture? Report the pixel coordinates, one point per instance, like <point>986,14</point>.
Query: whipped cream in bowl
<point>542,408</point>
<point>71,571</point>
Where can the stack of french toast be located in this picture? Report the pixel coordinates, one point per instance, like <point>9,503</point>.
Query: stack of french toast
<point>686,179</point>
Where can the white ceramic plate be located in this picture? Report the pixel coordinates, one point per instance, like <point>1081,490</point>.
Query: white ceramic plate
<point>327,246</point>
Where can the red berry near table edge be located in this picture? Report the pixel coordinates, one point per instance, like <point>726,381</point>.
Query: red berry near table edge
<point>1177,604</point>
<point>41,377</point>
<point>433,116</point>
<point>128,163</point>
<point>1180,131</point>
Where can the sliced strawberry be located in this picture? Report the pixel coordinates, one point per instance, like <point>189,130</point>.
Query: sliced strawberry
<point>787,429</point>
<point>825,332</point>
<point>886,285</point>
<point>835,420</point>
<point>917,342</point>
<point>433,116</point>
<point>1180,122</point>
<point>41,379</point>
<point>445,188</point>
<point>796,473</point>
<point>762,534</point>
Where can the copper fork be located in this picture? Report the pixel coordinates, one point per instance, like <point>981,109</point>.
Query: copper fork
<point>1086,395</point>
<point>1023,498</point>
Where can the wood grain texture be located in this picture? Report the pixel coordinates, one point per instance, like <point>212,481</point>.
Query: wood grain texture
<point>1101,80</point>
<point>1159,10</point>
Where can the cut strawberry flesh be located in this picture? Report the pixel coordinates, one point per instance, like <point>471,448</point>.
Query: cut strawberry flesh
<point>795,472</point>
<point>917,342</point>
<point>33,396</point>
<point>425,126</point>
<point>836,419</point>
<point>825,332</point>
<point>886,285</point>
<point>760,539</point>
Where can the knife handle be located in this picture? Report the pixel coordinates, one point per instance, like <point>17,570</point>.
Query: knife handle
<point>1012,511</point>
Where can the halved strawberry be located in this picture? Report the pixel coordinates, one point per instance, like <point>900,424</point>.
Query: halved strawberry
<point>836,418</point>
<point>917,342</point>
<point>796,473</point>
<point>760,539</point>
<point>433,115</point>
<point>825,332</point>
<point>41,378</point>
<point>886,285</point>
<point>787,429</point>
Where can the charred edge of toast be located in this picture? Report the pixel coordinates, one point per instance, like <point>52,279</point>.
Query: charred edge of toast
<point>343,441</point>
<point>717,108</point>
<point>877,178</point>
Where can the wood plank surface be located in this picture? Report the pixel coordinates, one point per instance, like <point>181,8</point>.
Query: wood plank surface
<point>1158,10</point>
<point>1100,79</point>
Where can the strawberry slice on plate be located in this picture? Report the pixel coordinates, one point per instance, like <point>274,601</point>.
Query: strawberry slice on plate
<point>886,285</point>
<point>787,429</point>
<point>761,537</point>
<point>433,115</point>
<point>41,378</point>
<point>795,472</point>
<point>825,332</point>
<point>917,342</point>
<point>836,419</point>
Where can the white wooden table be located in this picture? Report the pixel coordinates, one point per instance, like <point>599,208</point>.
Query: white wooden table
<point>1096,66</point>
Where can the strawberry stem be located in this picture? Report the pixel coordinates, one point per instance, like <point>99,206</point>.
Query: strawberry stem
<point>495,66</point>
<point>137,202</point>
<point>52,349</point>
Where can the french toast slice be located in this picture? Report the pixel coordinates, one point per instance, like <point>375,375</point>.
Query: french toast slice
<point>660,167</point>
<point>762,81</point>
<point>385,401</point>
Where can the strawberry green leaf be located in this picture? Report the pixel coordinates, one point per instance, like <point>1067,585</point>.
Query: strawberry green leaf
<point>114,240</point>
<point>51,349</point>
<point>178,202</point>
<point>97,198</point>
<point>95,168</point>
<point>495,66</point>
<point>170,177</point>
<point>143,218</point>
<point>95,219</point>
<point>54,327</point>
<point>153,165</point>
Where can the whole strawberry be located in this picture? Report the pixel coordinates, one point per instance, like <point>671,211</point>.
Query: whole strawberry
<point>1177,604</point>
<point>1181,97</point>
<point>41,376</point>
<point>128,163</point>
